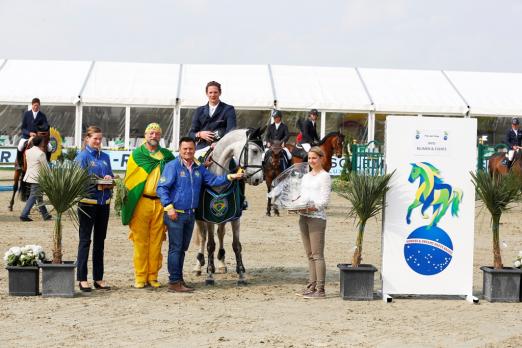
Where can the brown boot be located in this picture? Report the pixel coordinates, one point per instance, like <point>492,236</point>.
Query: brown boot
<point>317,294</point>
<point>309,289</point>
<point>179,287</point>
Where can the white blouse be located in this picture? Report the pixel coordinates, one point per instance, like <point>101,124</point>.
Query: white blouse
<point>315,189</point>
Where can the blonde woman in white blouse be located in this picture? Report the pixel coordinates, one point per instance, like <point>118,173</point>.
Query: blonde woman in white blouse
<point>315,191</point>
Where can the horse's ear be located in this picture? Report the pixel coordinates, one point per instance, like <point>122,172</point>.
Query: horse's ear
<point>258,132</point>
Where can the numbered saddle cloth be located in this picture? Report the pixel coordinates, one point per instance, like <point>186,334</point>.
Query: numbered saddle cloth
<point>219,207</point>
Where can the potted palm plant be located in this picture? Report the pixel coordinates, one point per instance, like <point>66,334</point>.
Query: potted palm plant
<point>366,194</point>
<point>64,184</point>
<point>498,192</point>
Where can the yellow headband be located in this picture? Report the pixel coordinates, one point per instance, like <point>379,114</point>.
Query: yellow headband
<point>153,126</point>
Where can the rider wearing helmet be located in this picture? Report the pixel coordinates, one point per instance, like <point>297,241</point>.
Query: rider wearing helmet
<point>277,131</point>
<point>513,140</point>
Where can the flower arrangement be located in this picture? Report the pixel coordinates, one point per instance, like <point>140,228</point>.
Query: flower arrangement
<point>28,255</point>
<point>518,261</point>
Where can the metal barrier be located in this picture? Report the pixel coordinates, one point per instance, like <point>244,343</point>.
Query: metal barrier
<point>367,158</point>
<point>484,153</point>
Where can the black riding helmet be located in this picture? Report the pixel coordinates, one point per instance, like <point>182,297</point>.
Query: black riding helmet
<point>277,113</point>
<point>515,121</point>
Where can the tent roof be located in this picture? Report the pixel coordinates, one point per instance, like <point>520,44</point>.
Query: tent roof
<point>490,93</point>
<point>132,84</point>
<point>417,91</point>
<point>54,82</point>
<point>323,88</point>
<point>257,86</point>
<point>241,85</point>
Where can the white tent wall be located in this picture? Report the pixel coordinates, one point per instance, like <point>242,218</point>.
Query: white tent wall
<point>412,92</point>
<point>490,94</point>
<point>322,88</point>
<point>132,84</point>
<point>55,82</point>
<point>244,86</point>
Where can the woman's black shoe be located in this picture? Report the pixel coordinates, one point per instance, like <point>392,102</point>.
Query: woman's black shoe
<point>101,287</point>
<point>84,289</point>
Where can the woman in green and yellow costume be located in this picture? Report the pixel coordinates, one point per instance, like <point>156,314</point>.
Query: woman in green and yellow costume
<point>142,209</point>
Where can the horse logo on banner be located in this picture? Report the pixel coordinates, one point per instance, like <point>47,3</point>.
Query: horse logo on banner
<point>428,249</point>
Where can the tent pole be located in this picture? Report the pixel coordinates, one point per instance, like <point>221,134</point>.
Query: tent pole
<point>371,126</point>
<point>127,127</point>
<point>78,125</point>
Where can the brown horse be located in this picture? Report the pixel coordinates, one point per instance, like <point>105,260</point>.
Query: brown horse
<point>496,164</point>
<point>271,169</point>
<point>20,168</point>
<point>331,144</point>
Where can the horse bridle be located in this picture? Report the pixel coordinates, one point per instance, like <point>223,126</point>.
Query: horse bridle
<point>244,155</point>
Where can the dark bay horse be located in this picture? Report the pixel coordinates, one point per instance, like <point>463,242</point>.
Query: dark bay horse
<point>271,169</point>
<point>20,168</point>
<point>331,144</point>
<point>496,164</point>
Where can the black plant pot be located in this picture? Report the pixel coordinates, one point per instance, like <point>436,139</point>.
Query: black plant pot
<point>502,285</point>
<point>58,279</point>
<point>23,281</point>
<point>356,282</point>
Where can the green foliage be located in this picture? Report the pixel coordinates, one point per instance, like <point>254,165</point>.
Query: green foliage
<point>64,184</point>
<point>366,194</point>
<point>120,197</point>
<point>497,192</point>
<point>69,154</point>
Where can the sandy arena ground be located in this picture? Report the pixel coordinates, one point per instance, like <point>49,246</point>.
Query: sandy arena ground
<point>265,313</point>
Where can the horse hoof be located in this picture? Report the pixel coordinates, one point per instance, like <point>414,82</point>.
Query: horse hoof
<point>242,282</point>
<point>210,282</point>
<point>267,214</point>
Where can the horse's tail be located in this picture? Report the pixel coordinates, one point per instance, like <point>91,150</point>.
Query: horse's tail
<point>455,201</point>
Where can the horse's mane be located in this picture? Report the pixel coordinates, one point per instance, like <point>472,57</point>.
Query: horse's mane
<point>435,171</point>
<point>327,136</point>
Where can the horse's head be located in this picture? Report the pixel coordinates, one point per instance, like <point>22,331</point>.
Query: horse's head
<point>246,147</point>
<point>415,172</point>
<point>333,142</point>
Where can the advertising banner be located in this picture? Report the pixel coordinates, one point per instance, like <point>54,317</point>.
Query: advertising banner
<point>428,223</point>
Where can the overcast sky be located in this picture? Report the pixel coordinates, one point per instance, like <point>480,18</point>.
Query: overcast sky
<point>473,35</point>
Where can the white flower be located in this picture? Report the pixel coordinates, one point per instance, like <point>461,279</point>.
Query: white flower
<point>517,264</point>
<point>17,251</point>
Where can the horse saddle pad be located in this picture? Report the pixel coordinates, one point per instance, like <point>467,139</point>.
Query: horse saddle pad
<point>220,207</point>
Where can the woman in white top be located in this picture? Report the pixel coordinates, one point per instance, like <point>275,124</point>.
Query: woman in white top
<point>35,159</point>
<point>315,191</point>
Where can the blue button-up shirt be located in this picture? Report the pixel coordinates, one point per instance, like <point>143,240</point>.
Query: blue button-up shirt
<point>98,163</point>
<point>181,187</point>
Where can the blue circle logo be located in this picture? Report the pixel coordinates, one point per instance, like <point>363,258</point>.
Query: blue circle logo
<point>428,250</point>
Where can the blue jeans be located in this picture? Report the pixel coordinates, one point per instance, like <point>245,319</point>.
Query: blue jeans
<point>180,233</point>
<point>34,197</point>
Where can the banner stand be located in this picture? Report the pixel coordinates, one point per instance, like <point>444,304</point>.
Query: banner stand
<point>428,222</point>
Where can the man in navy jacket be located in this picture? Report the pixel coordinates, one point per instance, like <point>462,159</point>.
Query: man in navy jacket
<point>212,120</point>
<point>32,118</point>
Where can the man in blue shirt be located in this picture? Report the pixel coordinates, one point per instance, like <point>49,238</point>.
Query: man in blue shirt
<point>178,190</point>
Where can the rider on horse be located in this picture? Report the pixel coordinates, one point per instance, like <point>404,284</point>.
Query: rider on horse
<point>31,119</point>
<point>278,131</point>
<point>513,140</point>
<point>310,137</point>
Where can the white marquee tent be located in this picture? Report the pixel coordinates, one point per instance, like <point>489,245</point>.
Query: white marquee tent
<point>81,84</point>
